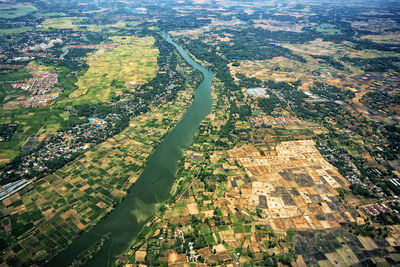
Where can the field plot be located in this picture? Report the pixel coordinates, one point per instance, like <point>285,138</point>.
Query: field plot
<point>293,185</point>
<point>131,63</point>
<point>15,30</point>
<point>289,70</point>
<point>337,247</point>
<point>47,215</point>
<point>16,11</point>
<point>328,29</point>
<point>324,63</point>
<point>54,21</point>
<point>62,23</point>
<point>379,25</point>
<point>275,25</point>
<point>383,38</point>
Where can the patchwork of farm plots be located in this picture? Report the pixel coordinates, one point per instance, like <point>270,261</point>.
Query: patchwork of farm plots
<point>47,215</point>
<point>293,185</point>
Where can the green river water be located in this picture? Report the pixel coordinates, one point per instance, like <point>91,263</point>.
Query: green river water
<point>152,187</point>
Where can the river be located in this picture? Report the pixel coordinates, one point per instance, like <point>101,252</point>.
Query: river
<point>152,187</point>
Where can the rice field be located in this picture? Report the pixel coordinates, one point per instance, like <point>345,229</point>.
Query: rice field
<point>133,62</point>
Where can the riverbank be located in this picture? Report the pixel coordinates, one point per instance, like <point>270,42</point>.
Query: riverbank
<point>152,187</point>
<point>83,193</point>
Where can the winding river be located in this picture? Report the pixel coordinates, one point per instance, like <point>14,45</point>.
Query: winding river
<point>152,187</point>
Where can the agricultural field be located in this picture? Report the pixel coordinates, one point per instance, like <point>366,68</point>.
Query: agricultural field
<point>54,21</point>
<point>15,30</point>
<point>328,29</point>
<point>12,12</point>
<point>267,201</point>
<point>288,181</point>
<point>131,63</point>
<point>325,62</point>
<point>35,124</point>
<point>62,23</point>
<point>47,215</point>
<point>383,38</point>
<point>274,25</point>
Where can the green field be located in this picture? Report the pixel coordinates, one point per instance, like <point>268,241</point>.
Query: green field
<point>54,21</point>
<point>15,30</point>
<point>62,23</point>
<point>132,62</point>
<point>328,29</point>
<point>16,11</point>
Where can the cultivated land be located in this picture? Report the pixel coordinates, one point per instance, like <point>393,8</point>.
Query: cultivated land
<point>15,30</point>
<point>47,215</point>
<point>131,63</point>
<point>293,185</point>
<point>54,21</point>
<point>304,173</point>
<point>16,11</point>
<point>62,23</point>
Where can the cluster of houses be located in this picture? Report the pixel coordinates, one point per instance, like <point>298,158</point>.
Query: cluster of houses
<point>42,89</point>
<point>375,209</point>
<point>193,253</point>
<point>64,146</point>
<point>354,177</point>
<point>32,45</point>
<point>46,45</point>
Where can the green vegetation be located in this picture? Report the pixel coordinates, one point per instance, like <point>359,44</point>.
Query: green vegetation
<point>328,29</point>
<point>16,11</point>
<point>62,23</point>
<point>331,92</point>
<point>131,63</point>
<point>330,61</point>
<point>15,30</point>
<point>378,64</point>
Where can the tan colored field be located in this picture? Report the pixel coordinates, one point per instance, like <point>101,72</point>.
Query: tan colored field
<point>288,70</point>
<point>384,38</point>
<point>62,23</point>
<point>293,185</point>
<point>275,25</point>
<point>132,62</point>
<point>76,23</point>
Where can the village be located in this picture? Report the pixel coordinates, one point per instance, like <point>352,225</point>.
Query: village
<point>297,164</point>
<point>41,88</point>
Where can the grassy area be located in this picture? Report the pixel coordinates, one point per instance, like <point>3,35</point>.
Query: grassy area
<point>328,29</point>
<point>62,23</point>
<point>21,74</point>
<point>16,11</point>
<point>132,62</point>
<point>6,90</point>
<point>50,14</point>
<point>15,30</point>
<point>32,121</point>
<point>53,21</point>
